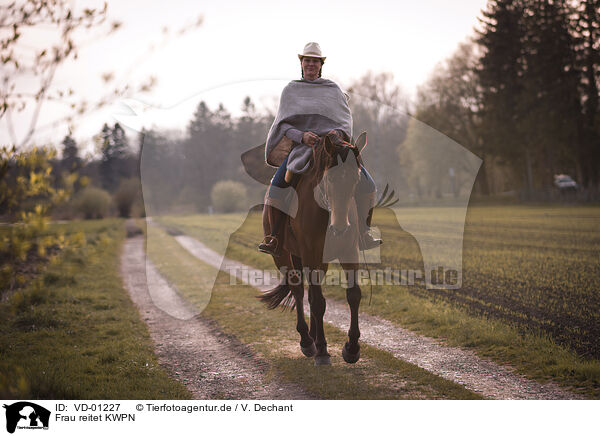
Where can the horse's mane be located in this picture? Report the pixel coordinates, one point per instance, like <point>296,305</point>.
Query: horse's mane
<point>322,160</point>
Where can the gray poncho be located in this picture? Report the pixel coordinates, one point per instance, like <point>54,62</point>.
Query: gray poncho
<point>317,106</point>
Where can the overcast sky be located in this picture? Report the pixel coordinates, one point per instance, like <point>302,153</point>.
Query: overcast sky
<point>250,48</point>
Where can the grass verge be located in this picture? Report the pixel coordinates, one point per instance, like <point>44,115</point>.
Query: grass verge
<point>73,332</point>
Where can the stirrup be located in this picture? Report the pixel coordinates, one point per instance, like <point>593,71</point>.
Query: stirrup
<point>366,241</point>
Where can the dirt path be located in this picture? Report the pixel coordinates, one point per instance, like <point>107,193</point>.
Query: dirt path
<point>455,364</point>
<point>209,363</point>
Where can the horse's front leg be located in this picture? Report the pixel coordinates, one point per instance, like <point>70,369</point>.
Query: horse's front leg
<point>317,311</point>
<point>351,350</point>
<point>313,326</point>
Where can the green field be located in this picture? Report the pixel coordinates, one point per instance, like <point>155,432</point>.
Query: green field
<point>537,268</point>
<point>530,287</point>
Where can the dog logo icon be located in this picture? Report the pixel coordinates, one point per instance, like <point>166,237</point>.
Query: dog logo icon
<point>26,415</point>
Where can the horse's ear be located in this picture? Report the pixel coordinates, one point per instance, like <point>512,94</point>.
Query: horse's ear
<point>361,141</point>
<point>329,147</point>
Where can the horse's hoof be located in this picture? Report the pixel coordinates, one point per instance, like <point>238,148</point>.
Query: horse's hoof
<point>349,357</point>
<point>309,351</point>
<point>322,360</point>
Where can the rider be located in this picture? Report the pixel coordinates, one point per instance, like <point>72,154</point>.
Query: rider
<point>290,132</point>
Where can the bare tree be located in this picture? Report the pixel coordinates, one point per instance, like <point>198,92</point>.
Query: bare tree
<point>23,65</point>
<point>380,107</point>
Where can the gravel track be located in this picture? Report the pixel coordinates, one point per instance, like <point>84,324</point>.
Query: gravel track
<point>211,364</point>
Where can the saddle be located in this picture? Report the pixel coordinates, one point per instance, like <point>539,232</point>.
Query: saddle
<point>339,244</point>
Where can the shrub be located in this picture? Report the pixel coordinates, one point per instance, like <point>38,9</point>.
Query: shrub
<point>228,196</point>
<point>126,196</point>
<point>92,202</point>
<point>138,209</point>
<point>27,196</point>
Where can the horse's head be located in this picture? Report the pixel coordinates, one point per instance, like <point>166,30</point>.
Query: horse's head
<point>341,171</point>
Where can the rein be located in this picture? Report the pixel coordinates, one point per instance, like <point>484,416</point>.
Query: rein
<point>318,160</point>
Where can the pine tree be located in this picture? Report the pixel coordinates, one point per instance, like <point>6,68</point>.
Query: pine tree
<point>203,152</point>
<point>500,72</point>
<point>587,36</point>
<point>115,161</point>
<point>71,161</point>
<point>549,104</point>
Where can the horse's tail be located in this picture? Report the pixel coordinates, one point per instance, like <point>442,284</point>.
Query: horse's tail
<point>281,295</point>
<point>387,200</point>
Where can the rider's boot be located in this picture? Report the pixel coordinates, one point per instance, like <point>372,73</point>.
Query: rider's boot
<point>272,243</point>
<point>364,208</point>
<point>275,205</point>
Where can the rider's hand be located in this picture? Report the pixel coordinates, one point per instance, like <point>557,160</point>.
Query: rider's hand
<point>309,138</point>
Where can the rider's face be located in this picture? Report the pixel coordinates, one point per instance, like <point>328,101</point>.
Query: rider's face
<point>311,67</point>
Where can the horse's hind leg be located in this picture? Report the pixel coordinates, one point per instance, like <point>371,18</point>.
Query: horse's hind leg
<point>351,350</point>
<point>296,282</point>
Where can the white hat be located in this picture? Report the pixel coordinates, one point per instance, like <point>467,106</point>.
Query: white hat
<point>312,50</point>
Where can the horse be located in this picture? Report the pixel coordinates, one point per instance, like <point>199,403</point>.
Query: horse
<point>305,253</point>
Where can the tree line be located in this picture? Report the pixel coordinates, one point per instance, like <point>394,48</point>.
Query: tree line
<point>522,94</point>
<point>179,171</point>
